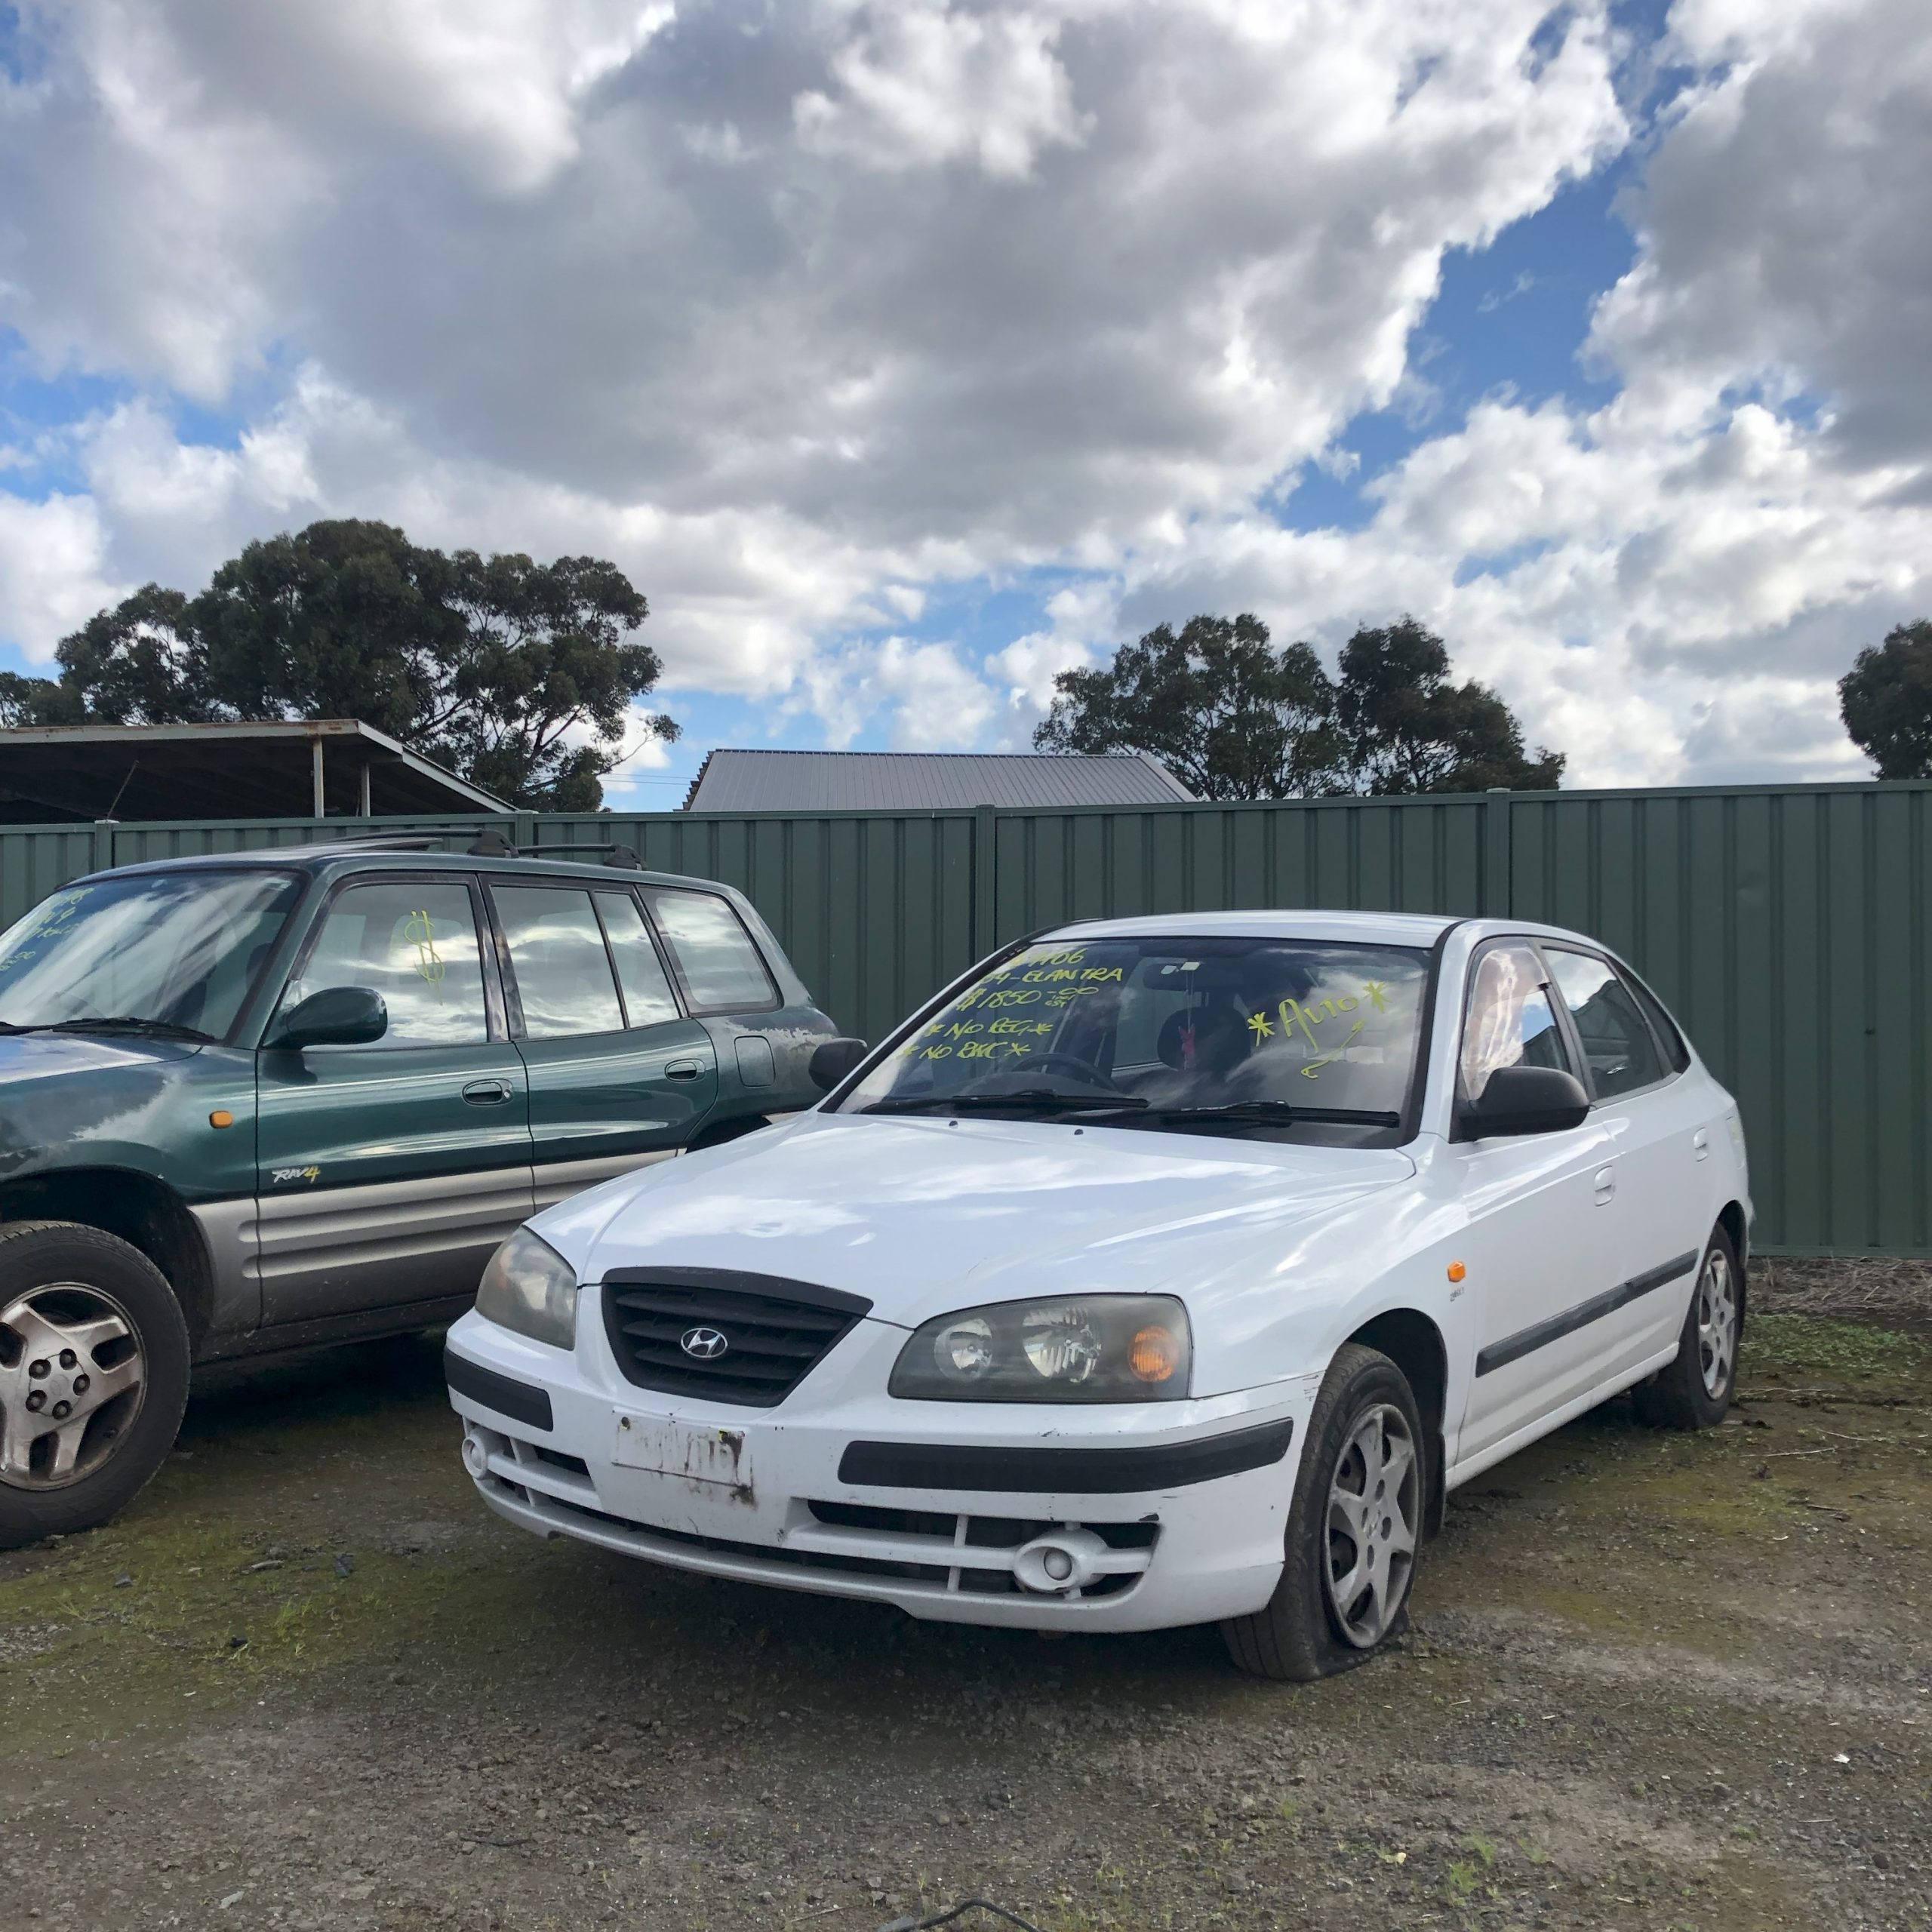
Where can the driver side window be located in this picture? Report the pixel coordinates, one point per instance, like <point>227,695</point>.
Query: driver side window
<point>414,942</point>
<point>1510,1021</point>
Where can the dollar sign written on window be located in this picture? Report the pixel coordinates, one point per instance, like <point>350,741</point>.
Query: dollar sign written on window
<point>419,932</point>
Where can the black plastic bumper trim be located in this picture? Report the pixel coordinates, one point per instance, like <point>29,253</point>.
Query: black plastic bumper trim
<point>503,1393</point>
<point>1527,1341</point>
<point>1064,1472</point>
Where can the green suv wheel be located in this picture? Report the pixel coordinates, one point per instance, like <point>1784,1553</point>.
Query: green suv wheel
<point>94,1377</point>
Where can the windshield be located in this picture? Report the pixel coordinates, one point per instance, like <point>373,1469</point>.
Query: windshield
<point>1267,1035</point>
<point>177,950</point>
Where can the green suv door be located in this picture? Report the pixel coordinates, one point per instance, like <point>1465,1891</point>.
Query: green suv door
<point>388,1173</point>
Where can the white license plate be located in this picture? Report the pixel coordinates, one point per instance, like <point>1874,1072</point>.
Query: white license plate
<point>691,1451</point>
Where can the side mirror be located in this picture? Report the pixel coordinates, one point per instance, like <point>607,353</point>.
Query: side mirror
<point>336,1016</point>
<point>833,1060</point>
<point>1527,1099</point>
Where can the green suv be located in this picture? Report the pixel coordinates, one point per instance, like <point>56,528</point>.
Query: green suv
<point>269,1100</point>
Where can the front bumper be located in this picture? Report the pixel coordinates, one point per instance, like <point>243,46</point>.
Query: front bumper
<point>843,1490</point>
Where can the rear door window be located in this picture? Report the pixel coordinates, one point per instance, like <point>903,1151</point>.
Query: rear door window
<point>722,970</point>
<point>1675,1050</point>
<point>564,977</point>
<point>648,999</point>
<point>1618,1047</point>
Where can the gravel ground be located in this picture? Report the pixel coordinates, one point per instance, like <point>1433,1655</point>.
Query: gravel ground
<point>1653,1681</point>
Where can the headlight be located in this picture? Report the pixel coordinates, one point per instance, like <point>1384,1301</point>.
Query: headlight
<point>1073,1348</point>
<point>528,1286</point>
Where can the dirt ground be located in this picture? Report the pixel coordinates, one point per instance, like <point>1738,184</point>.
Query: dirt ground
<point>1653,1681</point>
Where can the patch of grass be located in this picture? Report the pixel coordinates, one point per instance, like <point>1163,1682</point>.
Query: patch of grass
<point>234,1573</point>
<point>1805,1347</point>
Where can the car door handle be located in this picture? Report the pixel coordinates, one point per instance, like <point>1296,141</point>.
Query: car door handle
<point>683,1070</point>
<point>1606,1184</point>
<point>486,1092</point>
<point>1701,1143</point>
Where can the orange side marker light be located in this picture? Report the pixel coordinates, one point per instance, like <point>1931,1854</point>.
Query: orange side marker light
<point>221,1117</point>
<point>1154,1354</point>
<point>1456,1271</point>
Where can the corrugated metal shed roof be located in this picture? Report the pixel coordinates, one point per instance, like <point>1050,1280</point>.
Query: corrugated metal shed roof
<point>268,768</point>
<point>776,781</point>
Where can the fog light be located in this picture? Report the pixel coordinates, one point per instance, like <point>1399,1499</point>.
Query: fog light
<point>1060,1562</point>
<point>475,1457</point>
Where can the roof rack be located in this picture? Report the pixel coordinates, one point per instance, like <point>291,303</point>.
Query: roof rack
<point>386,841</point>
<point>492,845</point>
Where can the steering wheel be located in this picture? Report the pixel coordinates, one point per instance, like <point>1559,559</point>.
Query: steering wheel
<point>1081,1069</point>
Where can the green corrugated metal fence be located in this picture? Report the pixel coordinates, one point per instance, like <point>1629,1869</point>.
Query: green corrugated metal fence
<point>1790,928</point>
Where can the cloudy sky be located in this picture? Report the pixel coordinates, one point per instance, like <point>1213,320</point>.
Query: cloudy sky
<point>905,353</point>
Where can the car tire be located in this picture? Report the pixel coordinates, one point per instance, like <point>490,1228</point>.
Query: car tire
<point>93,1373</point>
<point>1330,1610</point>
<point>1695,1391</point>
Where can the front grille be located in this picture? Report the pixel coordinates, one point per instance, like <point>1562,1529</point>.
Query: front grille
<point>775,1331</point>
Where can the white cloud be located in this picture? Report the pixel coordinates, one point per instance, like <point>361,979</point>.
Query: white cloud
<point>1783,218</point>
<point>936,700</point>
<point>52,572</point>
<point>925,83</point>
<point>927,696</point>
<point>800,312</point>
<point>1083,622</point>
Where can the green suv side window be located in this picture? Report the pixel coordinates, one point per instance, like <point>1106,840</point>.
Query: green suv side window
<point>412,940</point>
<point>648,996</point>
<point>722,970</point>
<point>563,973</point>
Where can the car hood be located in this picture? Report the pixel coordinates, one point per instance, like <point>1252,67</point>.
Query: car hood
<point>925,1216</point>
<point>38,1056</point>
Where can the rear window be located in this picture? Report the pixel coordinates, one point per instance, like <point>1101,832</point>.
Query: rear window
<point>1666,1029</point>
<point>722,970</point>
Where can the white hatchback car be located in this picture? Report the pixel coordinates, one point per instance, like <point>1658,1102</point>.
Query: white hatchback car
<point>1162,1271</point>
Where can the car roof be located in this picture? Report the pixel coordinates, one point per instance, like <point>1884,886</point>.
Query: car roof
<point>1416,929</point>
<point>1383,928</point>
<point>342,854</point>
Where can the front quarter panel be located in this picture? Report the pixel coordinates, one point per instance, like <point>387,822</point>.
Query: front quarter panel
<point>98,1103</point>
<point>1293,1306</point>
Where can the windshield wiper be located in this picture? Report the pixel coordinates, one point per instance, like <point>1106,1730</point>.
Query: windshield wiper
<point>1025,1099</point>
<point>1270,1112</point>
<point>123,1022</point>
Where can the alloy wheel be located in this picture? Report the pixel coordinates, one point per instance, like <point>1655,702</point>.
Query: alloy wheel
<point>1717,1323</point>
<point>72,1379</point>
<point>1373,1516</point>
